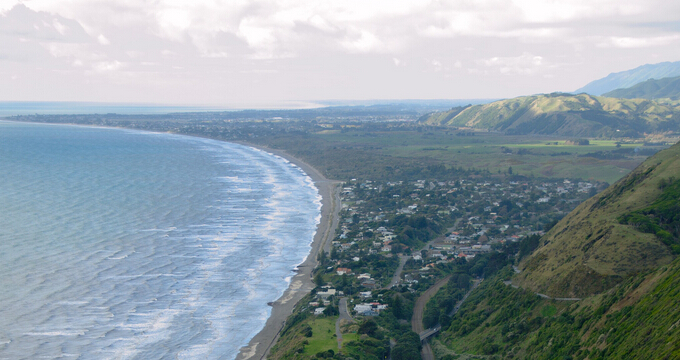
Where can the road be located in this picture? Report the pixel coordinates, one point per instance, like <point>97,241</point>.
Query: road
<point>419,307</point>
<point>509,283</point>
<point>344,315</point>
<point>397,274</point>
<point>403,259</point>
<point>458,305</point>
<point>426,352</point>
<point>417,319</point>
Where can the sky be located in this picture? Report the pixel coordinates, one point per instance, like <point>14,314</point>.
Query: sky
<point>239,53</point>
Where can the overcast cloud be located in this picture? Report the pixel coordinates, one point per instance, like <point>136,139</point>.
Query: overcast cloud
<point>243,53</point>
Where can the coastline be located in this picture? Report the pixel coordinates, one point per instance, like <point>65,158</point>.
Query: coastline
<point>301,284</point>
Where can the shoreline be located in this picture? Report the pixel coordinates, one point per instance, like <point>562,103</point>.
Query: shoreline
<point>301,284</point>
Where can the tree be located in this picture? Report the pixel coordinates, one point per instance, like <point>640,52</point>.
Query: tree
<point>510,170</point>
<point>321,257</point>
<point>368,327</point>
<point>397,307</point>
<point>331,310</point>
<point>318,279</point>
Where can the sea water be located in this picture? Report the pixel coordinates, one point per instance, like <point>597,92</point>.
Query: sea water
<point>116,244</point>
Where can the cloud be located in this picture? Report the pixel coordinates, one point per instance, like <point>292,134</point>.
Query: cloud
<point>107,66</point>
<point>103,40</point>
<point>21,21</point>
<point>274,27</point>
<point>525,64</point>
<point>309,48</point>
<point>640,42</point>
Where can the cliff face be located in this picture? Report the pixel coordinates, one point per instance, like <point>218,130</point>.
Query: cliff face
<point>597,246</point>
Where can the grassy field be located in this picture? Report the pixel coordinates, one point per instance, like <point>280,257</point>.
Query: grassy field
<point>537,156</point>
<point>323,336</point>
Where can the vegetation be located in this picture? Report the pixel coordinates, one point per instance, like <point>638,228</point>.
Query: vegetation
<point>662,217</point>
<point>666,88</point>
<point>366,146</point>
<point>637,319</point>
<point>600,243</point>
<point>561,114</point>
<point>423,190</point>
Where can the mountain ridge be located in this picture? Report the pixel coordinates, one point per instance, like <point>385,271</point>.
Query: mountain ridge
<point>665,88</point>
<point>628,78</point>
<point>564,114</point>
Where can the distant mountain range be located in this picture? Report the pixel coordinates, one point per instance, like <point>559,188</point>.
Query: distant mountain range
<point>563,114</point>
<point>626,79</point>
<point>666,88</point>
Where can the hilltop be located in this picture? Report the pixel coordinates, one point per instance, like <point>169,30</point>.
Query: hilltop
<point>563,114</point>
<point>626,79</point>
<point>666,88</point>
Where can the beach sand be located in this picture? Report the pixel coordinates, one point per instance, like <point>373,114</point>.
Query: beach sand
<point>302,282</point>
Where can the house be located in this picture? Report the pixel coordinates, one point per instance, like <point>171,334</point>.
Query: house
<point>326,293</point>
<point>369,283</point>
<point>364,276</point>
<point>319,311</point>
<point>362,307</point>
<point>365,294</point>
<point>343,271</point>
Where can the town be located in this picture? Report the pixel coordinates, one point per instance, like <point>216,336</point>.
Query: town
<point>400,237</point>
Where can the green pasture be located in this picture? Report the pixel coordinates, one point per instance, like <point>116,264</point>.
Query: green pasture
<point>323,335</point>
<point>527,155</point>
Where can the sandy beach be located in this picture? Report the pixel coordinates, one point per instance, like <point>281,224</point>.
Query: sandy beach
<point>302,283</point>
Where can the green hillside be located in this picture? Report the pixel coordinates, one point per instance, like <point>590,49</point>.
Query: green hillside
<point>666,88</point>
<point>611,266</point>
<point>612,235</point>
<point>638,319</point>
<point>561,114</point>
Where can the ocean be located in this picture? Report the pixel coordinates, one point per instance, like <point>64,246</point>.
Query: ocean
<point>116,244</point>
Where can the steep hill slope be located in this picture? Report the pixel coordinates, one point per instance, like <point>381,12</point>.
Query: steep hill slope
<point>561,114</point>
<point>638,319</point>
<point>631,227</point>
<point>625,79</point>
<point>666,88</point>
